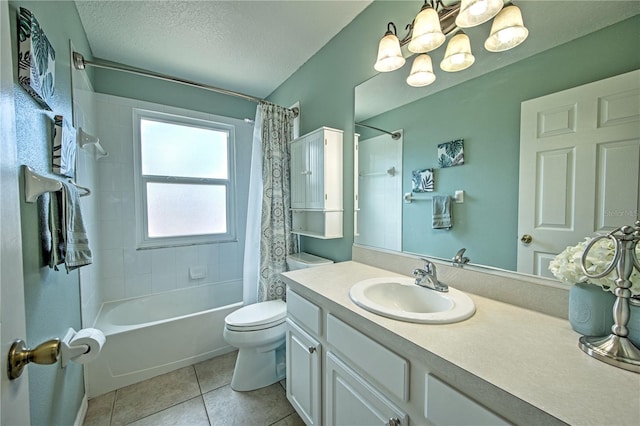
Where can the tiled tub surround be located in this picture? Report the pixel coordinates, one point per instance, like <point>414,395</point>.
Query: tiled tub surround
<point>521,364</point>
<point>124,271</point>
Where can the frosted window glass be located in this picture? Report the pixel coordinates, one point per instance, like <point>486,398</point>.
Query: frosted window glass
<point>184,209</point>
<point>170,149</point>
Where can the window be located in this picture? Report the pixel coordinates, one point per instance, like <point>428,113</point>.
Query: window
<point>184,180</point>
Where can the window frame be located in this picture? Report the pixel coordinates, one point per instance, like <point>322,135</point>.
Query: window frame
<point>143,240</point>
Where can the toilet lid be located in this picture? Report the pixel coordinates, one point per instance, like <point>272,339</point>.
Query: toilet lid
<point>262,313</point>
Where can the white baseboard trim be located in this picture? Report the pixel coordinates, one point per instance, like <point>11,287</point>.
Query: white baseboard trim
<point>82,411</point>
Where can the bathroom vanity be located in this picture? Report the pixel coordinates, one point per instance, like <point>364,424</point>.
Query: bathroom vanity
<point>505,364</point>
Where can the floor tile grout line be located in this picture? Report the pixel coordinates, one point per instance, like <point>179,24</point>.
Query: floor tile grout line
<point>169,407</point>
<point>113,407</point>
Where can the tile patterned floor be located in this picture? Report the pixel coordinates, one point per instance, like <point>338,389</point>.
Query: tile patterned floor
<point>196,395</point>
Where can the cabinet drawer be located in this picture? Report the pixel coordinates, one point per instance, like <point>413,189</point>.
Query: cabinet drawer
<point>305,313</point>
<point>447,406</point>
<point>388,369</point>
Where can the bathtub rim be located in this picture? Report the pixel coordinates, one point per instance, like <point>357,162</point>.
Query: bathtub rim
<point>111,329</point>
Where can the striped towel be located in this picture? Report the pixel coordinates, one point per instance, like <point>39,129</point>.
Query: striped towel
<point>53,243</point>
<point>77,248</point>
<point>442,218</point>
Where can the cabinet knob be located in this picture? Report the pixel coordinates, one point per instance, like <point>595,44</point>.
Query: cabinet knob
<point>394,421</point>
<point>312,349</point>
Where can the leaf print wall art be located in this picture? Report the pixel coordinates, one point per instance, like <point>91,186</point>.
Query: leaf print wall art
<point>422,180</point>
<point>36,59</point>
<point>451,153</point>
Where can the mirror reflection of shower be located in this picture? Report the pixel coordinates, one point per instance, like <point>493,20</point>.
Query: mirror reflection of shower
<point>379,209</point>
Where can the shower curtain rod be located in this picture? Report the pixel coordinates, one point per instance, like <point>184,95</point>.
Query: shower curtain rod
<point>80,63</point>
<point>394,135</point>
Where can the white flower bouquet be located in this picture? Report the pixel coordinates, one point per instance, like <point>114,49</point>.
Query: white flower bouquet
<point>566,265</point>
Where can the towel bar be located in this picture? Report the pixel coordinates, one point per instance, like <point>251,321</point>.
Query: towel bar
<point>458,197</point>
<point>36,185</point>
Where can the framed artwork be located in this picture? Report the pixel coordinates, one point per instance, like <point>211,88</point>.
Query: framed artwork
<point>422,180</point>
<point>451,153</point>
<point>36,59</point>
<point>63,147</point>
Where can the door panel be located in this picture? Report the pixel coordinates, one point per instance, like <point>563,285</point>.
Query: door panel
<point>579,167</point>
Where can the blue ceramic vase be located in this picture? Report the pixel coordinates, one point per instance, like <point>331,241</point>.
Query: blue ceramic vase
<point>591,312</point>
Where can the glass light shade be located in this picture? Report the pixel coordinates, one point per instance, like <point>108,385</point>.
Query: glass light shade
<point>507,30</point>
<point>427,33</point>
<point>421,72</point>
<point>476,12</point>
<point>389,55</point>
<point>458,55</point>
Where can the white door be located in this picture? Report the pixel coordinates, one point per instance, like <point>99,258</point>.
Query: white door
<point>379,187</point>
<point>14,395</point>
<point>579,167</point>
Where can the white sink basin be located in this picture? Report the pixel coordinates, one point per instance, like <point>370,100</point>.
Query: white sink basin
<point>400,298</point>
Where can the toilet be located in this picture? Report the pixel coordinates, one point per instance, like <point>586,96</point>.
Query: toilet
<point>258,331</point>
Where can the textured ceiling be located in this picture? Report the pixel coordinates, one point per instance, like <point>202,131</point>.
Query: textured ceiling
<point>246,46</point>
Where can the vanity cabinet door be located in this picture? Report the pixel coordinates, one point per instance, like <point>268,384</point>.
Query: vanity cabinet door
<point>351,400</point>
<point>303,373</point>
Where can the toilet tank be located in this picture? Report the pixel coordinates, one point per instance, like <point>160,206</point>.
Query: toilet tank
<point>305,260</point>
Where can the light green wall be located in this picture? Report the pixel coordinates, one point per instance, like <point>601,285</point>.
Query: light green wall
<point>324,86</point>
<point>484,111</point>
<point>52,298</point>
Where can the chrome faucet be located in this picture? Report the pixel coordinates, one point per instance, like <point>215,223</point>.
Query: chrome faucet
<point>459,260</point>
<point>428,277</point>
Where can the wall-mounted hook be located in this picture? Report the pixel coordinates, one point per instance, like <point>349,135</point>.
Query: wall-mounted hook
<point>85,139</point>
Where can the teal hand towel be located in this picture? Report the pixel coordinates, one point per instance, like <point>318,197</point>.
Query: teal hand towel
<point>442,218</point>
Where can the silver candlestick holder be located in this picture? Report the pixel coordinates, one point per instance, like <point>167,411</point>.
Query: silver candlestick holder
<point>616,349</point>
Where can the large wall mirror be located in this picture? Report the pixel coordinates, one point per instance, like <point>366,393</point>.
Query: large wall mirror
<point>571,43</point>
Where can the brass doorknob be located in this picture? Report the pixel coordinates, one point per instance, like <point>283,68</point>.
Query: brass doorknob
<point>526,238</point>
<point>20,356</point>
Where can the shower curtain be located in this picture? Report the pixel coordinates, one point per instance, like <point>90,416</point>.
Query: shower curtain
<point>269,215</point>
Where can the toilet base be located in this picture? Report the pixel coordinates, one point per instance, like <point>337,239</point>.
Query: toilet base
<point>255,370</point>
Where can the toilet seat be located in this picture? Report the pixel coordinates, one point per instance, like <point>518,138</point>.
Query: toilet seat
<point>257,316</point>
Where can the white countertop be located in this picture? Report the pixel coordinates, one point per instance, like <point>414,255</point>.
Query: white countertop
<point>532,356</point>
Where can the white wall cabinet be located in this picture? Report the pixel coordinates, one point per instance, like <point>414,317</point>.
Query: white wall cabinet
<point>316,184</point>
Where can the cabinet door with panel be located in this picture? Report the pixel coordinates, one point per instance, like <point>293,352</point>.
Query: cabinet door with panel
<point>303,373</point>
<point>351,400</point>
<point>298,174</point>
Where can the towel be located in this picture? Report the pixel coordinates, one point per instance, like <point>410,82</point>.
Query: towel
<point>55,248</point>
<point>442,218</point>
<point>77,251</point>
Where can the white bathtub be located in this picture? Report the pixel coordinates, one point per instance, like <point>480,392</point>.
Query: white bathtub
<point>152,335</point>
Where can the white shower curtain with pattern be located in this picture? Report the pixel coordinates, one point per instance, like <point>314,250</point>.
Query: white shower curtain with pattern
<point>269,215</point>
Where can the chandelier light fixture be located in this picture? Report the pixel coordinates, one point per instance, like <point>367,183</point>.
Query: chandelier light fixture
<point>434,22</point>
